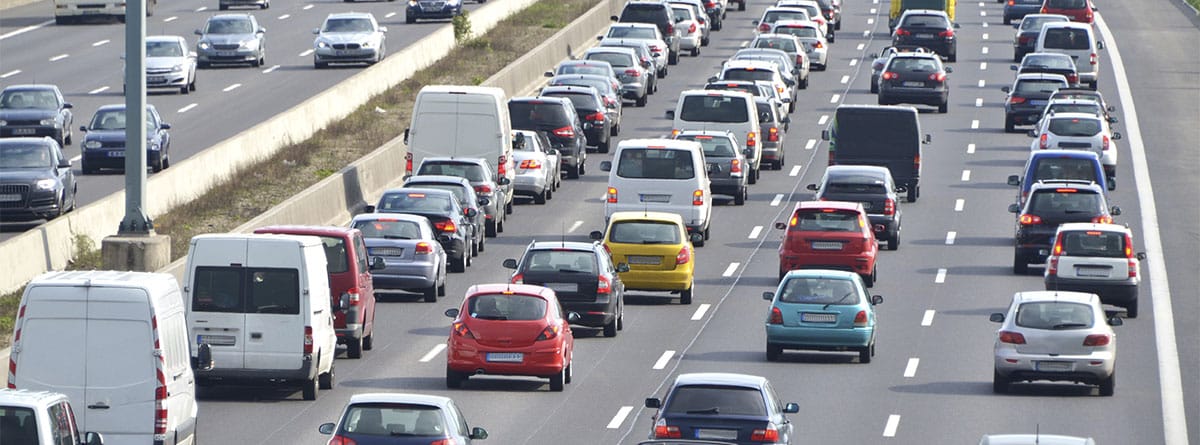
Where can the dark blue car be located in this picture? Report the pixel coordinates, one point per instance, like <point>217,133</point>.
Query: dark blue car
<point>104,140</point>
<point>1018,9</point>
<point>1049,165</point>
<point>433,9</point>
<point>733,408</point>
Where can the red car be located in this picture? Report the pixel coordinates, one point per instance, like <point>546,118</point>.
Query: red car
<point>829,235</point>
<point>1077,10</point>
<point>510,329</point>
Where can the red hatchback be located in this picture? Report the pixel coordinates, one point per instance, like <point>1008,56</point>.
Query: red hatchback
<point>829,235</point>
<point>1078,10</point>
<point>510,329</point>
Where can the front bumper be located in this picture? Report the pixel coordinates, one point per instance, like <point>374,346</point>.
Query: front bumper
<point>17,205</point>
<point>37,131</point>
<point>227,56</point>
<point>173,79</point>
<point>105,159</point>
<point>328,54</point>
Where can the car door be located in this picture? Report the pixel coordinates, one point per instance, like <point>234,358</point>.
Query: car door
<point>276,314</point>
<point>120,367</point>
<point>366,288</point>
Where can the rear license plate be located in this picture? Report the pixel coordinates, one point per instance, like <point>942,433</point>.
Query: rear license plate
<point>826,245</point>
<point>924,36</point>
<point>811,317</point>
<point>705,433</point>
<point>216,340</point>
<point>642,259</point>
<point>387,251</point>
<point>866,205</point>
<point>656,198</point>
<point>1092,271</point>
<point>563,287</point>
<point>24,131</point>
<point>913,83</point>
<point>505,357</point>
<point>10,197</point>
<point>1037,102</point>
<point>1055,366</point>
<point>116,154</point>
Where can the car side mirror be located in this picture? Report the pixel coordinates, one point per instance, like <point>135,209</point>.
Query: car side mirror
<point>1006,89</point>
<point>261,31</point>
<point>1115,210</point>
<point>928,139</point>
<point>510,263</point>
<point>471,213</point>
<point>790,82</point>
<point>877,300</point>
<point>1031,133</point>
<point>653,402</point>
<point>670,114</point>
<point>343,302</point>
<point>503,180</point>
<point>1141,256</point>
<point>622,267</point>
<point>786,120</point>
<point>748,152</point>
<point>957,26</point>
<point>1014,208</point>
<point>452,313</point>
<point>204,357</point>
<point>369,209</point>
<point>1111,109</point>
<point>67,105</point>
<point>1113,120</point>
<point>696,238</point>
<point>1116,135</point>
<point>1016,25</point>
<point>1116,321</point>
<point>996,318</point>
<point>165,126</point>
<point>712,79</point>
<point>198,32</point>
<point>548,74</point>
<point>812,187</point>
<point>780,225</point>
<point>1110,185</point>
<point>63,163</point>
<point>378,263</point>
<point>824,135</point>
<point>605,166</point>
<point>768,296</point>
<point>596,235</point>
<point>93,438</point>
<point>316,30</point>
<point>382,29</point>
<point>1014,180</point>
<point>1013,68</point>
<point>949,69</point>
<point>573,317</point>
<point>483,201</point>
<point>83,128</point>
<point>478,433</point>
<point>901,189</point>
<point>326,428</point>
<point>614,18</point>
<point>754,22</point>
<point>1099,45</point>
<point>874,55</point>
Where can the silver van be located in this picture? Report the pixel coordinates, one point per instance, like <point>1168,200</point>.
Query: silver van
<point>721,110</point>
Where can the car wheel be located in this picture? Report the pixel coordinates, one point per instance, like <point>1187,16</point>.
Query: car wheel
<point>573,172</point>
<point>874,88</point>
<point>804,83</point>
<point>184,89</point>
<point>431,293</point>
<point>944,107</point>
<point>832,37</point>
<point>508,208</point>
<point>773,352</point>
<point>641,101</point>
<point>1092,85</point>
<point>914,192</point>
<point>441,288</point>
<point>696,51</point>
<point>753,177</point>
<point>481,241</point>
<point>459,264</point>
<point>610,329</point>
<point>703,42</point>
<point>864,354</point>
<point>881,100</point>
<point>1007,21</point>
<point>685,297</point>
<point>454,379</point>
<point>354,348</point>
<point>540,198</point>
<point>467,259</point>
<point>157,166</point>
<point>474,249</point>
<point>489,229</point>
<point>1108,385</point>
<point>742,6</point>
<point>87,170</point>
<point>410,20</point>
<point>621,320</point>
<point>166,160</point>
<point>953,57</point>
<point>999,383</point>
<point>1010,124</point>
<point>1131,308</point>
<point>550,191</point>
<point>893,242</point>
<point>368,342</point>
<point>740,197</point>
<point>582,169</point>
<point>570,370</point>
<point>1020,264</point>
<point>558,380</point>
<point>309,390</point>
<point>868,280</point>
<point>672,57</point>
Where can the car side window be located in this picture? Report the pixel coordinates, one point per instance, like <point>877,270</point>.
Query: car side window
<point>360,249</point>
<point>460,420</point>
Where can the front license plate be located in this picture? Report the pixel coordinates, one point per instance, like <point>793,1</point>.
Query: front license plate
<point>811,317</point>
<point>10,197</point>
<point>226,53</point>
<point>343,52</point>
<point>216,340</point>
<point>116,154</point>
<point>24,131</point>
<point>505,357</point>
<point>642,259</point>
<point>826,245</point>
<point>1055,366</point>
<point>705,433</point>
<point>913,83</point>
<point>156,79</point>
<point>563,287</point>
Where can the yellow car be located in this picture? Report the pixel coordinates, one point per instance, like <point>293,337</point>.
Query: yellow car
<point>657,248</point>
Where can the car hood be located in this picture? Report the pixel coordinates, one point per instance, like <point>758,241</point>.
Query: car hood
<point>347,37</point>
<point>226,39</point>
<point>28,114</point>
<point>23,175</point>
<point>164,62</point>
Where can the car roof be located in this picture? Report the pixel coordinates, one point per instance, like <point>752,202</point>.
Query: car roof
<point>633,24</point>
<point>1055,295</point>
<point>27,398</point>
<point>1103,227</point>
<point>427,191</point>
<point>45,140</point>
<point>775,35</point>
<point>914,55</point>
<point>611,49</point>
<point>393,216</point>
<point>583,62</point>
<point>560,245</point>
<point>646,216</point>
<point>232,16</point>
<point>721,378</point>
<point>30,87</point>
<point>392,397</point>
<point>453,160</point>
<point>1075,184</point>
<point>1034,439</point>
<point>290,229</point>
<point>836,205</point>
<point>742,94</point>
<point>1041,76</point>
<point>871,171</point>
<point>658,143</point>
<point>721,133</point>
<point>509,289</point>
<point>548,99</point>
<point>350,15</point>
<point>820,273</point>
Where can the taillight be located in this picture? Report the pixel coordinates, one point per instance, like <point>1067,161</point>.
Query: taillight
<point>770,434</point>
<point>160,406</point>
<point>656,49</point>
<point>799,59</point>
<point>1102,219</point>
<point>751,139</point>
<point>917,163</point>
<point>443,442</point>
<point>408,164</point>
<point>735,167</point>
<point>549,333</point>
<point>1128,246</point>
<point>446,226</point>
<point>938,77</point>
<point>1052,264</point>
<point>645,60</point>
<point>355,297</point>
<point>776,316</point>
<point>1030,219</point>
<point>820,21</point>
<point>1133,269</point>
<point>764,27</point>
<point>670,29</point>
<point>947,33</point>
<point>308,340</point>
<point>1012,2</point>
<point>684,255</point>
<point>460,329</point>
<point>773,134</point>
<point>692,28</point>
<point>1016,100</point>
<point>889,75</point>
<point>710,4</point>
<point>603,286</point>
<point>531,164</point>
<point>818,45</point>
<point>597,116</point>
<point>564,132</point>
<point>664,431</point>
<point>1092,59</point>
<point>1104,142</point>
<point>889,207</point>
<point>1012,337</point>
<point>1043,141</point>
<point>698,197</point>
<point>1058,246</point>
<point>1073,78</point>
<point>483,188</point>
<point>608,101</point>
<point>903,32</point>
<point>423,248</point>
<point>860,319</point>
<point>1024,40</point>
<point>518,278</point>
<point>632,72</point>
<point>1097,340</point>
<point>342,440</point>
<point>612,195</point>
<point>502,165</point>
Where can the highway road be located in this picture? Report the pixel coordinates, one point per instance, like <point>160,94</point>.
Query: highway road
<point>930,382</point>
<point>85,62</point>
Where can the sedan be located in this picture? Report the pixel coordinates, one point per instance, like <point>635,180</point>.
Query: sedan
<point>494,193</point>
<point>882,57</point>
<point>582,275</point>
<point>35,111</point>
<point>609,88</point>
<point>930,29</point>
<point>1027,98</point>
<point>915,79</point>
<point>462,189</point>
<point>822,310</point>
<point>169,64</point>
<point>401,419</point>
<point>1052,63</point>
<point>873,187</point>
<point>734,408</point>
<point>648,32</point>
<point>104,140</point>
<point>350,37</point>
<point>537,166</point>
<point>36,181</point>
<point>1056,336</point>
<point>432,9</point>
<point>510,329</point>
<point>409,245</point>
<point>727,166</point>
<point>450,220</point>
<point>231,38</point>
<point>1078,131</point>
<point>637,82</point>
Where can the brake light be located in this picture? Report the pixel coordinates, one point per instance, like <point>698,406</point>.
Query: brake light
<point>1105,142</point>
<point>773,134</point>
<point>860,319</point>
<point>1102,219</point>
<point>764,27</point>
<point>820,21</point>
<point>564,132</point>
<point>644,60</point>
<point>604,286</point>
<point>818,44</point>
<point>889,207</point>
<point>483,188</point>
<point>342,440</point>
<point>549,333</point>
<point>608,101</point>
<point>502,165</point>
<point>656,49</point>
<point>947,33</point>
<point>408,164</point>
<point>446,226</point>
<point>889,75</point>
<point>1128,246</point>
<point>461,330</point>
<point>1016,100</point>
<point>903,32</point>
<point>765,435</point>
<point>531,164</point>
<point>1043,141</point>
<point>1030,220</point>
<point>670,29</point>
<point>597,116</point>
<point>443,442</point>
<point>518,278</point>
<point>1097,340</point>
<point>1058,245</point>
<point>917,163</point>
<point>710,4</point>
<point>684,255</point>
<point>632,72</point>
<point>735,167</point>
<point>1073,78</point>
<point>751,139</point>
<point>776,316</point>
<point>1012,2</point>
<point>160,391</point>
<point>612,195</point>
<point>308,340</point>
<point>423,248</point>
<point>938,77</point>
<point>355,297</point>
<point>1052,265</point>
<point>799,58</point>
<point>692,28</point>
<point>1092,59</point>
<point>795,220</point>
<point>1012,337</point>
<point>664,431</point>
<point>698,197</point>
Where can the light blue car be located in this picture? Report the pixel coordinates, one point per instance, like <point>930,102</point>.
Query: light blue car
<point>821,310</point>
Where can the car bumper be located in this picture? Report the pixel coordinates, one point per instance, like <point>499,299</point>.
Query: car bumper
<point>37,204</point>
<point>595,133</point>
<point>304,372</point>
<point>231,56</point>
<point>883,226</point>
<point>658,280</point>
<point>818,57</point>
<point>456,247</point>
<point>633,91</point>
<point>861,264</point>
<point>166,80</point>
<point>1019,12</point>
<point>592,314</point>
<point>242,3</point>
<point>1110,292</point>
<point>1024,116</point>
<point>727,185</point>
<point>923,96</point>
<point>405,276</point>
<point>537,361</point>
<point>104,158</point>
<point>798,337</point>
<point>1080,368</point>
<point>31,131</point>
<point>345,55</point>
<point>690,42</point>
<point>532,183</point>
<point>940,46</point>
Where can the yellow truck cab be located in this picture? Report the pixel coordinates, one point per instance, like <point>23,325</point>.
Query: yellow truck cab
<point>899,6</point>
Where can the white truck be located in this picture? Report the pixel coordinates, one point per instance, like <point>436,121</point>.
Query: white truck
<point>75,11</point>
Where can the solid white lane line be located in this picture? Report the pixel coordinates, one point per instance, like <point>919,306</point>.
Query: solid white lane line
<point>795,170</point>
<point>941,276</point>
<point>910,371</point>
<point>959,204</point>
<point>970,149</point>
<point>861,46</point>
<point>824,118</point>
<point>757,230</point>
<point>853,62</point>
<point>284,17</point>
<point>98,90</point>
<point>978,101</point>
<point>231,87</point>
<point>618,419</point>
<point>982,83</point>
<point>59,57</point>
<point>188,107</point>
<point>307,7</point>
<point>984,50</point>
<point>10,74</point>
<point>700,311</point>
<point>810,144</point>
<point>950,237</point>
<point>269,70</point>
<point>306,53</point>
<point>437,349</point>
<point>664,359</point>
<point>776,200</point>
<point>25,29</point>
<point>982,66</point>
<point>893,422</point>
<point>870,21</point>
<point>985,36</point>
<point>575,225</point>
<point>966,175</point>
<point>834,99</point>
<point>927,320</point>
<point>102,42</point>
<point>76,158</point>
<point>389,15</point>
<point>731,269</point>
<point>975,124</point>
<point>174,18</point>
<point>846,79</point>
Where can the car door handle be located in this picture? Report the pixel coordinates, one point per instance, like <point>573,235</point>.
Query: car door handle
<point>319,311</point>
<point>100,405</point>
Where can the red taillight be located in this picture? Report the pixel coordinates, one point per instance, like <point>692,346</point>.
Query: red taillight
<point>531,164</point>
<point>446,226</point>
<point>698,197</point>
<point>938,77</point>
<point>656,49</point>
<point>799,59</point>
<point>1052,264</point>
<point>917,163</point>
<point>664,431</point>
<point>735,167</point>
<point>502,165</point>
<point>549,333</point>
<point>1073,78</point>
<point>608,101</point>
<point>860,319</point>
<point>308,340</point>
<point>597,116</point>
<point>1133,269</point>
<point>818,45</point>
<point>1012,337</point>
<point>1016,100</point>
<point>1012,2</point>
<point>1102,219</point>
<point>355,297</point>
<point>1044,141</point>
<point>443,442</point>
<point>776,316</point>
<point>765,435</point>
<point>518,278</point>
<point>692,28</point>
<point>423,248</point>
<point>483,188</point>
<point>1058,246</point>
<point>684,255</point>
<point>1029,220</point>
<point>1024,40</point>
<point>889,75</point>
<point>1097,340</point>
<point>160,406</point>
<point>408,164</point>
<point>670,29</point>
<point>1128,246</point>
<point>764,27</point>
<point>773,134</point>
<point>1092,59</point>
<point>1105,142</point>
<point>632,72</point>
<point>460,329</point>
<point>603,286</point>
<point>612,195</point>
<point>889,207</point>
<point>342,440</point>
<point>903,32</point>
<point>645,60</point>
<point>564,132</point>
<point>947,33</point>
<point>710,4</point>
<point>751,139</point>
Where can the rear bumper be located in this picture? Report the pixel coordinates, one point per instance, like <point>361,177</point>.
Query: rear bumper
<point>862,264</point>
<point>529,184</point>
<point>538,362</point>
<point>924,96</point>
<point>243,375</point>
<point>1085,368</point>
<point>1110,292</point>
<point>592,314</point>
<point>415,276</point>
<point>658,280</point>
<point>818,339</point>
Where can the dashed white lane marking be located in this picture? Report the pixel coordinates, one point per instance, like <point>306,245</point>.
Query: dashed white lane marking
<point>98,90</point>
<point>980,4</point>
<point>437,349</point>
<point>202,9</point>
<point>174,18</point>
<point>959,204</point>
<point>910,371</point>
<point>618,419</point>
<point>873,10</point>
<point>978,101</point>
<point>664,359</point>
<point>102,42</point>
<point>970,148</point>
<point>307,7</point>
<point>188,107</point>
<point>59,57</point>
<point>810,144</point>
<point>389,15</point>
<point>983,50</point>
<point>731,269</point>
<point>982,66</point>
<point>743,44</point>
<point>269,70</point>
<point>834,99</point>
<point>867,33</point>
<point>974,124</point>
<point>985,24</point>
<point>284,17</point>
<point>846,79</point>
<point>10,74</point>
<point>700,311</point>
<point>824,118</point>
<point>575,225</point>
<point>950,237</point>
<point>941,276</point>
<point>982,83</point>
<point>25,29</point>
<point>893,422</point>
<point>795,170</point>
<point>983,13</point>
<point>861,46</point>
<point>966,175</point>
<point>853,62</point>
<point>870,21</point>
<point>776,200</point>
<point>985,36</point>
<point>927,320</point>
<point>232,87</point>
<point>306,53</point>
<point>757,230</point>
<point>874,2</point>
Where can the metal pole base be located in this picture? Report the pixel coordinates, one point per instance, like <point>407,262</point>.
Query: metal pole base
<point>139,253</point>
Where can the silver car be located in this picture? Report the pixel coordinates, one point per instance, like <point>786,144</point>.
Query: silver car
<point>703,22</point>
<point>537,167</point>
<point>231,38</point>
<point>786,66</point>
<point>350,37</point>
<point>1056,336</point>
<point>408,244</point>
<point>728,169</point>
<point>643,31</point>
<point>692,33</point>
<point>816,47</point>
<point>1078,131</point>
<point>635,80</point>
<point>169,64</point>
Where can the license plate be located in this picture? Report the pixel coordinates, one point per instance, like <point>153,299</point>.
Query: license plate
<point>924,36</point>
<point>1055,366</point>
<point>811,317</point>
<point>216,340</point>
<point>656,198</point>
<point>24,131</point>
<point>387,251</point>
<point>913,83</point>
<point>10,197</point>
<point>866,205</point>
<point>506,357</point>
<point>706,433</point>
<point>116,154</point>
<point>1092,271</point>
<point>342,52</point>
<point>1037,102</point>
<point>157,79</point>
<point>226,53</point>
<point>642,259</point>
<point>826,245</point>
<point>563,287</point>
<point>91,12</point>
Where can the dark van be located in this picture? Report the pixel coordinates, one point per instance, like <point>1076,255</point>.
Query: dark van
<point>1051,165</point>
<point>883,135</point>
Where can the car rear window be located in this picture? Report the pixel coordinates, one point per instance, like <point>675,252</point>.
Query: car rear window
<point>617,60</point>
<point>1066,4</point>
<point>786,45</point>
<point>414,202</point>
<point>826,220</point>
<point>579,68</point>
<point>925,21</point>
<point>389,229</point>
<point>745,88</point>
<point>819,291</point>
<point>716,108</point>
<point>655,163</point>
<point>1067,38</point>
<point>1038,86</point>
<point>393,420</point>
<point>456,190</point>
<point>766,116</point>
<point>747,74</point>
<point>506,307</point>
<point>714,146</point>
<point>631,32</point>
<point>336,255</point>
<point>1035,23</point>
<point>777,15</point>
<point>535,114</point>
<point>472,172</point>
<point>1074,127</point>
<point>569,261</point>
<point>798,31</point>
<point>1090,108</point>
<point>714,399</point>
<point>1065,168</point>
<point>643,14</point>
<point>579,100</point>
<point>913,64</point>
<point>681,13</point>
<point>855,188</point>
<point>600,85</point>
<point>246,290</point>
<point>1055,315</point>
<point>1094,243</point>
<point>1050,201</point>
<point>1055,61</point>
<point>644,232</point>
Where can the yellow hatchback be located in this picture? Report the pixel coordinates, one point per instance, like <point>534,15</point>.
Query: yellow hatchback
<point>657,248</point>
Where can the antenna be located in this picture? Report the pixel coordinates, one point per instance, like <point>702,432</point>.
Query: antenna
<point>564,233</point>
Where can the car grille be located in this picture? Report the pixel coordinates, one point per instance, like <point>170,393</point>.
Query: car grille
<point>345,46</point>
<point>157,70</point>
<point>112,144</point>
<point>7,198</point>
<point>226,47</point>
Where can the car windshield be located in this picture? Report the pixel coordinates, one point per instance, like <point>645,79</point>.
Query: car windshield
<point>819,291</point>
<point>750,74</point>
<point>229,26</point>
<point>115,120</point>
<point>716,400</point>
<point>1066,38</point>
<point>393,420</point>
<point>617,60</point>
<point>506,307</point>
<point>1065,201</point>
<point>1038,86</point>
<point>404,202</point>
<point>715,108</point>
<point>537,114</point>
<point>388,228</point>
<point>1094,243</point>
<point>1055,315</point>
<point>714,147</point>
<point>798,31</point>
<point>780,14</point>
<point>1056,61</point>
<point>1066,4</point>
<point>826,220</point>
<point>24,99</point>
<point>645,232</point>
<point>924,21</point>
<point>1074,126</point>
<point>164,49</point>
<point>787,45</point>
<point>655,163</point>
<point>24,156</point>
<point>1090,108</point>
<point>559,260</point>
<point>472,172</point>
<point>348,25</point>
<point>1065,168</point>
<point>855,188</point>
<point>632,32</point>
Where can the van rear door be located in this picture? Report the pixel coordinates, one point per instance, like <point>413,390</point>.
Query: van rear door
<point>52,343</point>
<point>275,309</point>
<point>120,366</point>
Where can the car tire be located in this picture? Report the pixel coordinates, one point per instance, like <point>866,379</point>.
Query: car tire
<point>309,390</point>
<point>739,198</point>
<point>489,229</point>
<point>441,290</point>
<point>868,280</point>
<point>603,146</point>
<point>703,42</point>
<point>460,264</point>
<point>621,320</point>
<point>610,329</point>
<point>354,348</point>
<point>1010,124</point>
<point>430,293</point>
<point>1092,85</point>
<point>1020,264</point>
<point>999,383</point>
<point>773,352</point>
<point>184,89</point>
<point>166,160</point>
<point>157,166</point>
<point>672,58</point>
<point>368,342</point>
<point>881,100</point>
<point>549,192</point>
<point>874,88</point>
<point>914,192</point>
<point>641,101</point>
<point>558,380</point>
<point>893,242</point>
<point>223,7</point>
<point>1131,308</point>
<point>202,65</point>
<point>454,379</point>
<point>864,354</point>
<point>573,172</point>
<point>570,370</point>
<point>944,107</point>
<point>1007,21</point>
<point>753,178</point>
<point>838,25</point>
<point>685,297</point>
<point>696,51</point>
<point>508,208</point>
<point>832,36</point>
<point>540,198</point>
<point>409,20</point>
<point>86,169</point>
<point>481,241</point>
<point>1108,385</point>
<point>742,6</point>
<point>953,57</point>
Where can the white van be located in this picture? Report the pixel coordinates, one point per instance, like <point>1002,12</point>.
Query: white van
<point>40,418</point>
<point>1076,40</point>
<point>462,122</point>
<point>662,175</point>
<point>262,303</point>
<point>720,110</point>
<point>74,11</point>
<point>116,344</point>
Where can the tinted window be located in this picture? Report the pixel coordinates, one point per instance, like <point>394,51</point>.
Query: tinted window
<point>599,84</point>
<point>456,190</point>
<point>644,232</point>
<point>34,155</point>
<point>575,68</point>
<point>717,147</point>
<point>1066,4</point>
<point>18,424</point>
<point>1094,243</point>
<point>1074,202</point>
<point>1074,127</point>
<point>560,261</point>
<point>537,114</point>
<point>643,14</point>
<point>1090,108</point>
<point>850,187</point>
<point>913,65</point>
<point>745,74</point>
<point>1065,168</point>
<point>228,26</point>
<point>655,163</point>
<point>766,114</point>
<point>1054,315</point>
<point>414,202</point>
<point>274,291</point>
<point>1048,61</point>
<point>506,307</point>
<point>472,172</point>
<point>336,260</point>
<point>623,32</point>
<point>579,100</point>
<point>724,400</point>
<point>1067,38</point>
<point>821,221</point>
<point>1031,86</point>
<point>246,290</point>
<point>617,60</point>
<point>786,45</point>
<point>798,31</point>
<point>382,228</point>
<point>348,25</point>
<point>819,291</point>
<point>164,49</point>
<point>880,134</point>
<point>681,13</point>
<point>1035,23</point>
<point>718,108</point>
<point>925,21</point>
<point>777,15</point>
<point>745,88</point>
<point>393,420</point>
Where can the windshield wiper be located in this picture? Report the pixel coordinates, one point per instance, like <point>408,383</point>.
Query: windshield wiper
<point>844,297</point>
<point>713,410</point>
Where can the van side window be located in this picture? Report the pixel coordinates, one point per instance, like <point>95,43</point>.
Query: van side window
<point>274,291</point>
<point>336,260</point>
<point>360,250</point>
<point>61,424</point>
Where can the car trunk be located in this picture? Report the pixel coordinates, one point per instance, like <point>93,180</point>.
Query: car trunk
<point>836,316</point>
<point>724,428</point>
<point>1055,341</point>
<point>646,256</point>
<point>392,250</point>
<point>1093,255</point>
<point>568,285</point>
<point>506,333</point>
<point>841,238</point>
<point>873,204</point>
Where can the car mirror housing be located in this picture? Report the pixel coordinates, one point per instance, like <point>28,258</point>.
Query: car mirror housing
<point>605,166</point>
<point>1140,256</point>
<point>478,433</point>
<point>876,299</point>
<point>670,114</point>
<point>1013,208</point>
<point>596,235</point>
<point>63,163</point>
<point>1115,211</point>
<point>812,187</point>
<point>1116,321</point>
<point>1116,136</point>
<point>199,32</point>
<point>573,317</point>
<point>326,428</point>
<point>509,263</point>
<point>824,135</point>
<point>622,267</point>
<point>768,296</point>
<point>653,402</point>
<point>996,318</point>
<point>452,312</point>
<point>369,209</point>
<point>780,225</point>
<point>471,213</point>
<point>1006,89</point>
<point>1014,180</point>
<point>378,263</point>
<point>791,408</point>
<point>949,69</point>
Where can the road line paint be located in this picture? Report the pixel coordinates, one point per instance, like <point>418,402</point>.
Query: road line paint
<point>824,118</point>
<point>982,66</point>
<point>25,29</point>
<point>307,7</point>
<point>950,237</point>
<point>980,4</point>
<point>985,36</point>
<point>188,107</point>
<point>982,83</point>
<point>306,53</point>
<point>983,50</point>
<point>978,101</point>
<point>731,269</point>
<point>810,144</point>
<point>861,46</point>
<point>200,9</point>
<point>874,2</point>
<point>75,159</point>
<point>834,99</point>
<point>873,10</point>
<point>776,200</point>
<point>971,149</point>
<point>231,87</point>
<point>575,225</point>
<point>59,57</point>
<point>437,349</point>
<point>795,170</point>
<point>966,175</point>
<point>985,25</point>
<point>893,422</point>
<point>98,90</point>
<point>102,42</point>
<point>284,17</point>
<point>700,311</point>
<point>389,15</point>
<point>910,371</point>
<point>927,320</point>
<point>983,13</point>
<point>975,124</point>
<point>853,62</point>
<point>618,419</point>
<point>867,33</point>
<point>174,18</point>
<point>664,359</point>
<point>846,79</point>
<point>604,196</point>
<point>269,70</point>
<point>941,276</point>
<point>10,74</point>
<point>959,204</point>
<point>755,232</point>
<point>870,21</point>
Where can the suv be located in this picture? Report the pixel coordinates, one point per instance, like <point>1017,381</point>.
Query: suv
<point>1056,165</point>
<point>496,191</point>
<point>34,417</point>
<point>1097,259</point>
<point>25,110</point>
<point>36,180</point>
<point>928,28</point>
<point>740,407</point>
<point>589,106</point>
<point>581,274</point>
<point>659,14</point>
<point>1050,204</point>
<point>625,34</point>
<point>828,235</point>
<point>556,117</point>
<point>637,76</point>
<point>870,186</point>
<point>1027,98</point>
<point>1079,131</point>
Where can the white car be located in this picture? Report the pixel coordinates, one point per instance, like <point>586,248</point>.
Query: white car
<point>1078,131</point>
<point>537,167</point>
<point>36,417</point>
<point>1056,336</point>
<point>788,68</point>
<point>816,46</point>
<point>774,14</point>
<point>169,64</point>
<point>1034,439</point>
<point>350,37</point>
<point>691,38</point>
<point>643,31</point>
<point>704,21</point>
<point>1096,258</point>
<point>761,70</point>
<point>814,13</point>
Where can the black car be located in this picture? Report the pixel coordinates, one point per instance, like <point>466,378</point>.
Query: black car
<point>1027,98</point>
<point>1052,63</point>
<point>735,408</point>
<point>497,192</point>
<point>609,88</point>
<point>881,59</point>
<point>36,181</point>
<point>104,140</point>
<point>1028,31</point>
<point>556,117</point>
<point>874,188</point>
<point>930,29</point>
<point>582,275</point>
<point>1050,204</point>
<point>450,220</point>
<point>589,106</point>
<point>659,14</point>
<point>35,111</point>
<point>915,78</point>
<point>432,9</point>
<point>465,192</point>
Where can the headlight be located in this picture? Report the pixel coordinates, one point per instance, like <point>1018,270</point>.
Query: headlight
<point>3,123</point>
<point>248,44</point>
<point>46,184</point>
<point>322,44</point>
<point>203,45</point>
<point>92,144</point>
<point>177,68</point>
